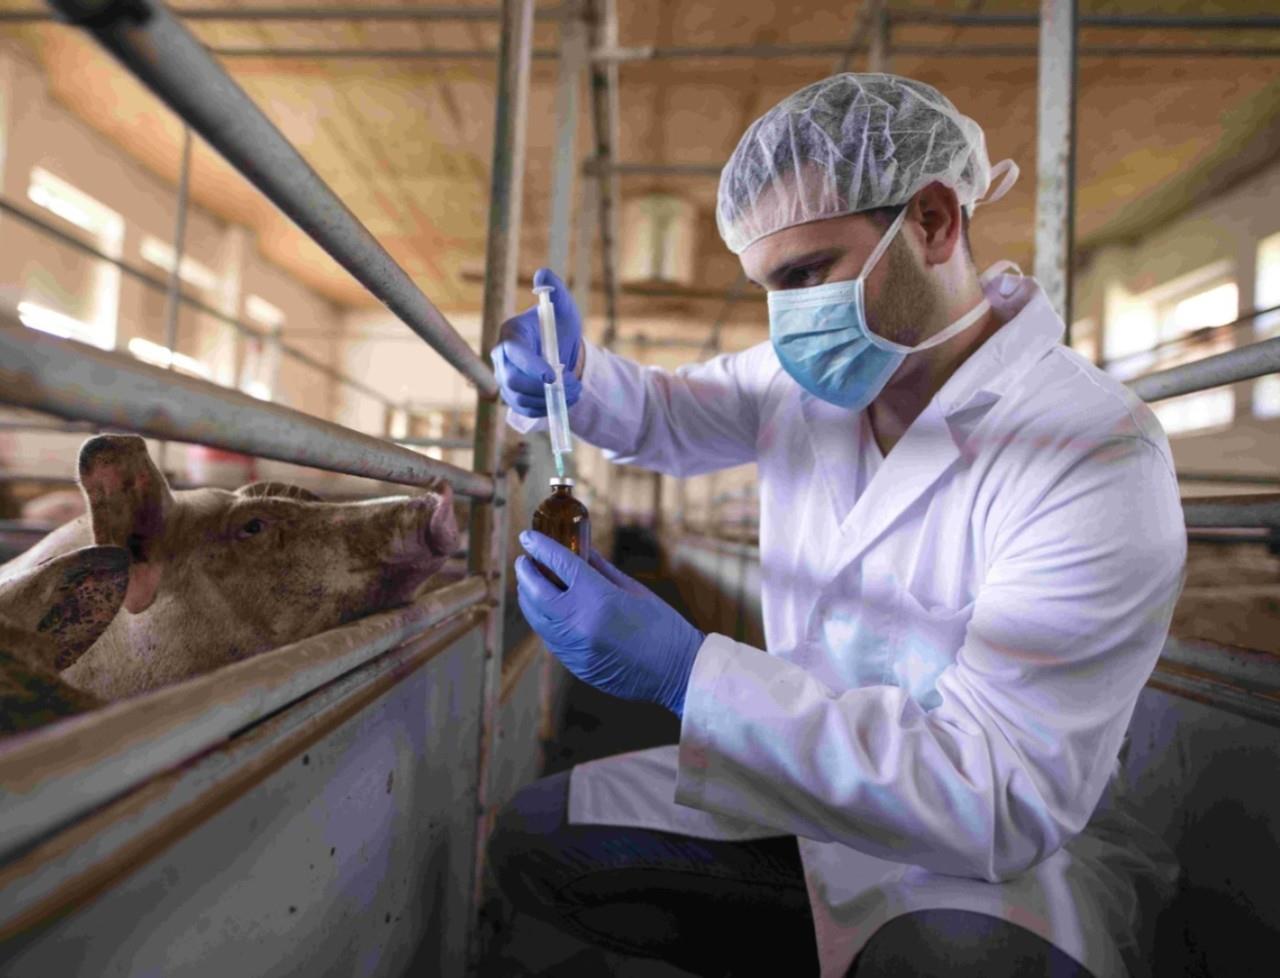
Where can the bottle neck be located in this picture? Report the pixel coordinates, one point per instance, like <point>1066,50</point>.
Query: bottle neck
<point>562,492</point>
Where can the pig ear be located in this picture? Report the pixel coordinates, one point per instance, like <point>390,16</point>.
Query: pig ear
<point>278,490</point>
<point>128,500</point>
<point>68,601</point>
<point>444,524</point>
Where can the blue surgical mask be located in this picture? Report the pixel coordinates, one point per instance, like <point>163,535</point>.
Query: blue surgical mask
<point>822,339</point>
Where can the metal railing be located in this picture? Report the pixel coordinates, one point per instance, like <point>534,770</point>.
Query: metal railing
<point>81,383</point>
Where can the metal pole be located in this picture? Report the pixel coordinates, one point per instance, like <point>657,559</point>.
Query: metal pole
<point>309,13</point>
<point>878,55</point>
<point>83,383</point>
<point>488,556</point>
<point>573,58</point>
<point>171,303</point>
<point>1055,155</point>
<point>604,105</point>
<point>1242,363</point>
<point>163,54</point>
<point>962,18</point>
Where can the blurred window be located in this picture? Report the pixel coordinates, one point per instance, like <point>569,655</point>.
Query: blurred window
<point>1266,390</point>
<point>194,273</point>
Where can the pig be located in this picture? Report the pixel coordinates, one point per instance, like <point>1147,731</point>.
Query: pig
<point>50,615</point>
<point>216,576</point>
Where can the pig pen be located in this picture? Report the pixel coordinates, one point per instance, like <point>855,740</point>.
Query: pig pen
<point>321,808</point>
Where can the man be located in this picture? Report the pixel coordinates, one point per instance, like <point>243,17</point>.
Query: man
<point>971,544</point>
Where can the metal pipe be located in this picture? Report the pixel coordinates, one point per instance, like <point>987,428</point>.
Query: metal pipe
<point>606,119</point>
<point>880,28</point>
<point>1242,478</point>
<point>1199,335</point>
<point>488,524</point>
<point>53,775</point>
<point>155,282</point>
<point>80,382</point>
<point>1230,694</point>
<point>573,58</point>
<point>963,18</point>
<point>1055,154</point>
<point>768,52</point>
<point>458,443</point>
<point>260,14</point>
<point>172,303</point>
<point>163,54</point>
<point>1242,363</point>
<point>1253,510</point>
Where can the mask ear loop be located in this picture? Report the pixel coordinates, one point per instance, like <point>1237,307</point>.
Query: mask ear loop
<point>883,245</point>
<point>1003,176</point>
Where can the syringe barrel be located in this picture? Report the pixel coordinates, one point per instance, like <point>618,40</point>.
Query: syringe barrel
<point>547,326</point>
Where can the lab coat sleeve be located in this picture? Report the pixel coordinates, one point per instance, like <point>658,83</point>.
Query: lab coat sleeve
<point>1065,631</point>
<point>700,418</point>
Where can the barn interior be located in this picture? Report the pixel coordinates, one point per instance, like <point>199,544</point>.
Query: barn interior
<point>277,239</point>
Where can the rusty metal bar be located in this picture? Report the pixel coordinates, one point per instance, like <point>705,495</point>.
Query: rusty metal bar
<point>606,120</point>
<point>1242,363</point>
<point>154,45</point>
<point>159,284</point>
<point>488,558</point>
<point>1240,681</point>
<point>62,771</point>
<point>80,382</point>
<point>1055,154</point>
<point>172,301</point>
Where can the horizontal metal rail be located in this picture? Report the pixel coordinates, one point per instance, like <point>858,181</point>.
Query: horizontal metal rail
<point>299,13</point>
<point>161,285</point>
<point>453,443</point>
<point>1240,478</point>
<point>1201,335</point>
<point>1166,22</point>
<point>76,381</point>
<point>755,52</point>
<point>75,865</point>
<point>1242,363</point>
<point>1240,681</point>
<point>1254,510</point>
<point>62,771</point>
<point>162,53</point>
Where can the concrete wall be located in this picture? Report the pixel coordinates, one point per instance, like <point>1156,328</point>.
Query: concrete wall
<point>1226,229</point>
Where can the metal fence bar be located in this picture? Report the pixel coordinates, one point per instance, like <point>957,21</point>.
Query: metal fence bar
<point>80,382</point>
<point>57,773</point>
<point>1251,510</point>
<point>160,285</point>
<point>573,58</point>
<point>1197,22</point>
<point>488,523</point>
<point>1055,154</point>
<point>605,120</point>
<point>164,55</point>
<point>1242,363</point>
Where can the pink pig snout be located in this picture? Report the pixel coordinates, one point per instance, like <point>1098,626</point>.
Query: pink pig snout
<point>426,527</point>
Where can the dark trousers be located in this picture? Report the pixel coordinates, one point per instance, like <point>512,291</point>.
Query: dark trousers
<point>723,908</point>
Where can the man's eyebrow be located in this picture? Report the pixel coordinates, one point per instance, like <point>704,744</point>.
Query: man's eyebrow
<point>779,272</point>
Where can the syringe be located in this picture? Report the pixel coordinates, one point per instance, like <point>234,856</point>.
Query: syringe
<point>557,409</point>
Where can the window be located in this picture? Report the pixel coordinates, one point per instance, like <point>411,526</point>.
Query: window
<point>161,255</point>
<point>66,292</point>
<point>162,356</point>
<point>261,354</point>
<point>1266,390</point>
<point>262,311</point>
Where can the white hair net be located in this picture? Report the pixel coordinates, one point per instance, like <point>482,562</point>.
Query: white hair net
<point>850,143</point>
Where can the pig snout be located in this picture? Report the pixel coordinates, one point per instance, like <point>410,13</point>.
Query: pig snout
<point>427,528</point>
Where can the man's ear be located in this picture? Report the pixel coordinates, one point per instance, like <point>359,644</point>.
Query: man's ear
<point>128,500</point>
<point>937,210</point>
<point>67,601</point>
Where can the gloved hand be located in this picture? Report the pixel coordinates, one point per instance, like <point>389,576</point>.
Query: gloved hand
<point>518,358</point>
<point>607,629</point>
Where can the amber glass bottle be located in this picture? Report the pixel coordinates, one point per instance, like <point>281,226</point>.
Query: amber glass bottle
<point>565,520</point>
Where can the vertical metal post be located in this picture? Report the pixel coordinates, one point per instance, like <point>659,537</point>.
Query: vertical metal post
<point>488,525</point>
<point>1055,154</point>
<point>604,104</point>
<point>573,56</point>
<point>878,52</point>
<point>173,298</point>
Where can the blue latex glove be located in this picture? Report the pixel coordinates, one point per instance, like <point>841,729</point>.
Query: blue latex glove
<point>607,629</point>
<point>518,358</point>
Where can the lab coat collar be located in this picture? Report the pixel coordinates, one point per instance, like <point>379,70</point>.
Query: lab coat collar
<point>933,443</point>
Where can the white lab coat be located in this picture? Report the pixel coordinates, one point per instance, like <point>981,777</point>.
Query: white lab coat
<point>953,655</point>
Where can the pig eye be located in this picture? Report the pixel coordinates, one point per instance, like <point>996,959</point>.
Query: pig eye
<point>252,528</point>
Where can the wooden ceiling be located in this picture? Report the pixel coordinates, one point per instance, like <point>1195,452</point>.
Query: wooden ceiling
<point>406,143</point>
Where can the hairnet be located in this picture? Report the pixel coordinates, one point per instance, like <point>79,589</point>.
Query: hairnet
<point>850,143</point>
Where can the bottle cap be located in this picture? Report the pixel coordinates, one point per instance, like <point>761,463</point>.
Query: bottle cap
<point>559,480</point>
